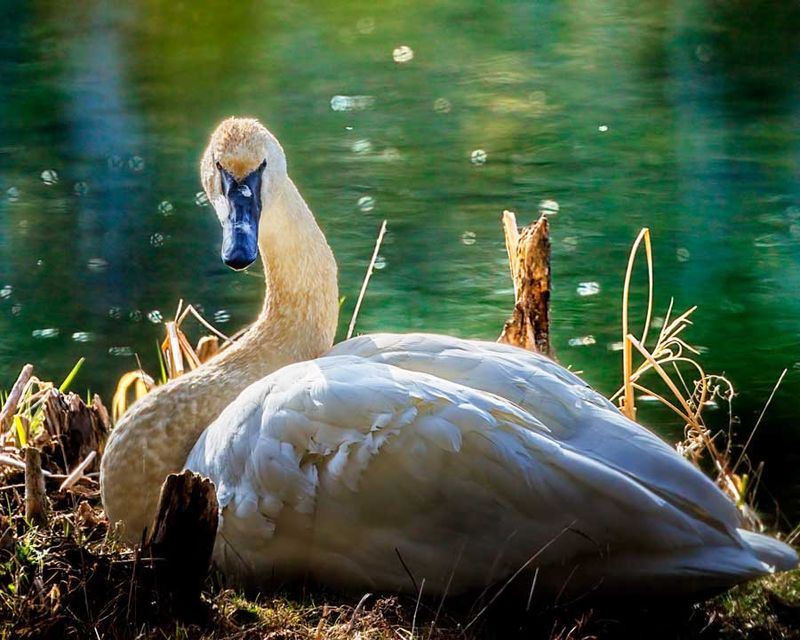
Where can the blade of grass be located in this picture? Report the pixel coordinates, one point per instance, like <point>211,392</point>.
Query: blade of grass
<point>71,376</point>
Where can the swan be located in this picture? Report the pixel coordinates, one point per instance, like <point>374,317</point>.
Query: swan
<point>403,462</point>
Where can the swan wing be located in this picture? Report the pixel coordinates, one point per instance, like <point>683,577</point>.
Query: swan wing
<point>363,473</point>
<point>574,413</point>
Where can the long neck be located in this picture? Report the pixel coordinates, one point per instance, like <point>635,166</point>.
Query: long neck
<point>301,306</point>
<point>297,322</point>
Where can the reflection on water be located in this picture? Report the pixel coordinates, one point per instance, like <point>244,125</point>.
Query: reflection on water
<point>679,116</point>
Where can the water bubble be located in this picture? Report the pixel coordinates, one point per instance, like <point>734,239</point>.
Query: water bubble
<point>157,240</point>
<point>366,203</point>
<point>616,346</point>
<point>6,291</point>
<point>380,262</point>
<point>402,54</point>
<point>602,128</point>
<point>588,288</point>
<point>570,242</point>
<point>442,105</point>
<point>135,315</point>
<point>582,341</point>
<point>361,146</point>
<point>767,241</point>
<point>16,309</point>
<point>49,176</point>
<point>80,189</point>
<point>657,322</point>
<point>115,313</point>
<point>478,157</point>
<point>97,264</point>
<point>352,103</point>
<point>682,254</point>
<point>82,336</point>
<point>40,263</point>
<point>136,164</point>
<point>201,199</point>
<point>468,238</point>
<point>23,225</point>
<point>115,162</point>
<point>703,53</point>
<point>390,154</point>
<point>155,316</point>
<point>45,334</point>
<point>120,352</point>
<point>222,316</point>
<point>365,25</point>
<point>165,208</point>
<point>537,98</point>
<point>549,207</point>
<point>12,194</point>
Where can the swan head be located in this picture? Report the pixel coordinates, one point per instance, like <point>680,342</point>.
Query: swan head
<point>243,170</point>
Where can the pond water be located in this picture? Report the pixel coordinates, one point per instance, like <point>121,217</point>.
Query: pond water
<point>682,117</point>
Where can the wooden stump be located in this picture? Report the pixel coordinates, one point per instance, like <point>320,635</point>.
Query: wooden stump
<point>529,261</point>
<point>75,429</point>
<point>35,497</point>
<point>181,538</point>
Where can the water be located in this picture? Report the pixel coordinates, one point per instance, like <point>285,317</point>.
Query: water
<point>435,116</point>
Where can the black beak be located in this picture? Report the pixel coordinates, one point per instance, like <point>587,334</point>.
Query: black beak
<point>240,228</point>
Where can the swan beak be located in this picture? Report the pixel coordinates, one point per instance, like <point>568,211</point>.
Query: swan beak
<point>240,226</point>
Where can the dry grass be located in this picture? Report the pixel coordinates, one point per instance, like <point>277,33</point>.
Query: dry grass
<point>687,391</point>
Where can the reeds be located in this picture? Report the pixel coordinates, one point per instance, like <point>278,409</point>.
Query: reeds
<point>176,356</point>
<point>688,389</point>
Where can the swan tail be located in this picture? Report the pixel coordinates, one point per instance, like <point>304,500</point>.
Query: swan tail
<point>773,553</point>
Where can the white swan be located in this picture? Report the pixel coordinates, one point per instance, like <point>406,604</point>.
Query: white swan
<point>398,458</point>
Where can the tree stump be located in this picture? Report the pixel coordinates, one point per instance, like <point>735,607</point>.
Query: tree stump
<point>181,538</point>
<point>529,261</point>
<point>75,429</point>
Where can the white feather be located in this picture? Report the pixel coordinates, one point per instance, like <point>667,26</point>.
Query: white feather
<point>465,459</point>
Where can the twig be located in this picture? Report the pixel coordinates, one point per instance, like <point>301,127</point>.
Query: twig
<point>416,608</point>
<point>19,464</point>
<point>758,422</point>
<point>525,565</point>
<point>364,284</point>
<point>77,472</point>
<point>356,611</point>
<point>10,407</point>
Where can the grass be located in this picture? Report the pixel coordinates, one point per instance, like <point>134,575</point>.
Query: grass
<point>71,579</point>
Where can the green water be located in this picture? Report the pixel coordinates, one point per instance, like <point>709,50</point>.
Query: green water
<point>679,116</point>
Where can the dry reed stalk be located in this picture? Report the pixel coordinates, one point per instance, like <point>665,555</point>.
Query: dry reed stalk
<point>35,496</point>
<point>10,406</point>
<point>77,472</point>
<point>364,284</point>
<point>672,351</point>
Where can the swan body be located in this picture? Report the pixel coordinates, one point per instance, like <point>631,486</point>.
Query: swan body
<point>394,459</point>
